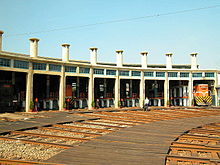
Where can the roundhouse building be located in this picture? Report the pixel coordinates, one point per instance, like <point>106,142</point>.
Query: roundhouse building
<point>59,82</point>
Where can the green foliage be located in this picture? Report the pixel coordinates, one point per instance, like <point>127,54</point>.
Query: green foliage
<point>119,103</point>
<point>31,105</point>
<point>64,104</point>
<point>93,104</point>
<point>168,102</point>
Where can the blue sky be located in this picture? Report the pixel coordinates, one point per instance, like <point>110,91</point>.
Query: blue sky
<point>181,34</point>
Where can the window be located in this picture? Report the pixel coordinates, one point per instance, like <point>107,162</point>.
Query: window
<point>136,73</point>
<point>123,73</point>
<point>84,70</point>
<point>210,74</point>
<point>197,75</point>
<point>39,66</point>
<point>160,74</point>
<point>148,74</point>
<point>98,71</point>
<point>110,72</point>
<point>184,74</point>
<point>53,67</point>
<point>70,69</point>
<point>21,64</point>
<point>5,62</point>
<point>172,74</point>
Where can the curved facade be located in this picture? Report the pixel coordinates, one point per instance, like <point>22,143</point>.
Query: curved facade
<point>58,83</point>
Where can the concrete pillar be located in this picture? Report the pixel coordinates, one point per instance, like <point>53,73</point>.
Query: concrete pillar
<point>1,33</point>
<point>133,103</point>
<point>29,87</point>
<point>34,47</point>
<point>91,89</point>
<point>62,88</point>
<point>159,102</point>
<point>185,91</point>
<point>80,103</point>
<point>166,90</point>
<point>93,56</point>
<point>108,103</point>
<point>185,102</point>
<point>65,52</point>
<point>174,92</point>
<point>142,90</point>
<point>180,91</point>
<point>193,61</point>
<point>215,90</point>
<point>190,90</point>
<point>117,90</point>
<point>144,60</point>
<point>180,102</point>
<point>169,60</point>
<point>119,56</point>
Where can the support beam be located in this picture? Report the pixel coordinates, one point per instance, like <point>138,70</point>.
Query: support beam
<point>215,90</point>
<point>91,90</point>
<point>166,90</point>
<point>142,90</point>
<point>62,88</point>
<point>29,87</point>
<point>117,90</point>
<point>190,90</point>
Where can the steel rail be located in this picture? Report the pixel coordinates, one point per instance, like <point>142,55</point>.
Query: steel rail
<point>204,131</point>
<point>189,159</point>
<point>199,137</point>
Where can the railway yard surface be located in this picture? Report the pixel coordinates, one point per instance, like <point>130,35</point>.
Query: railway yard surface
<point>162,136</point>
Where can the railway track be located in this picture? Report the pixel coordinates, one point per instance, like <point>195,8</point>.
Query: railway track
<point>37,144</point>
<point>198,146</point>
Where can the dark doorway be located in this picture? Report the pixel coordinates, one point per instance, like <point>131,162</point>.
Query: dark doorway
<point>12,91</point>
